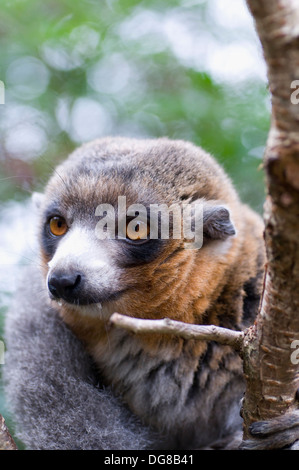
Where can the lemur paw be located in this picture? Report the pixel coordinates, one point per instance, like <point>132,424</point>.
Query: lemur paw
<point>277,433</point>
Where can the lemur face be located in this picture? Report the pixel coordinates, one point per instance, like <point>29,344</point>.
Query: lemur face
<point>89,261</point>
<point>106,240</point>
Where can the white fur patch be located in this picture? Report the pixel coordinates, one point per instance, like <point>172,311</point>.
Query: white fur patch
<point>80,250</point>
<point>79,247</point>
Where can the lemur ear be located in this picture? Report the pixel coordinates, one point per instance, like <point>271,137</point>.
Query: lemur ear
<point>217,224</point>
<point>37,200</point>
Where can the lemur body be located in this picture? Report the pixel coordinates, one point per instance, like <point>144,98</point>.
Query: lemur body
<point>188,391</point>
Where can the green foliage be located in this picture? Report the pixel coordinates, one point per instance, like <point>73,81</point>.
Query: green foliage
<point>118,61</point>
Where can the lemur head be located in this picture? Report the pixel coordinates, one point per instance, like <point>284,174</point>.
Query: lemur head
<point>102,253</point>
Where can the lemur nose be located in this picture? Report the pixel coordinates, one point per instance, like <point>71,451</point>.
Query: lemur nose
<point>62,285</point>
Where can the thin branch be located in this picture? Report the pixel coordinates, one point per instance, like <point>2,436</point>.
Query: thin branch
<point>181,329</point>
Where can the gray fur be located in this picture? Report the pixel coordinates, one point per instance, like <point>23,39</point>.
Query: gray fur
<point>51,387</point>
<point>192,404</point>
<point>58,403</point>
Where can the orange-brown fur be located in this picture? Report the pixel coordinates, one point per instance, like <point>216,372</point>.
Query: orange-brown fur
<point>194,286</point>
<point>181,293</point>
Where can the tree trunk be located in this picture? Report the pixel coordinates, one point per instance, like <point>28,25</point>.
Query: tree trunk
<point>272,377</point>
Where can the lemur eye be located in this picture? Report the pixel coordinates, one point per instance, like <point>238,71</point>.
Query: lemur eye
<point>58,226</point>
<point>137,230</point>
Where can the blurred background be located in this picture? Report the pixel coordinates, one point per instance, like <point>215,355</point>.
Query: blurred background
<point>74,71</point>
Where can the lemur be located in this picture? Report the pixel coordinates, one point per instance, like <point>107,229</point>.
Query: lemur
<point>76,382</point>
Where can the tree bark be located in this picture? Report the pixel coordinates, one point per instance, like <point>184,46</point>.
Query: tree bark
<point>6,441</point>
<point>272,378</point>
